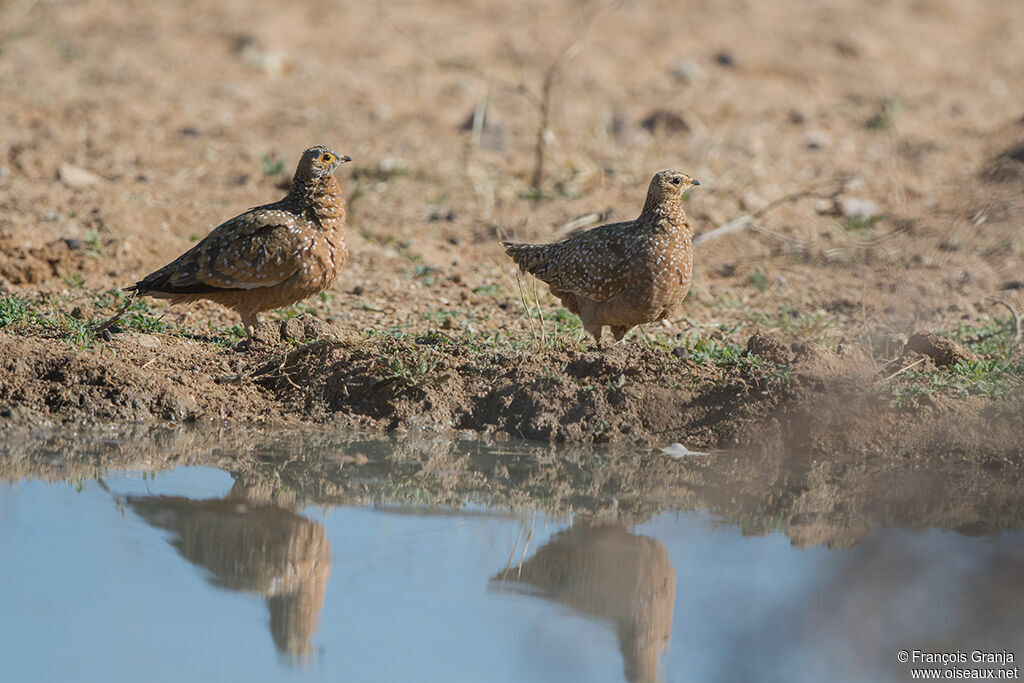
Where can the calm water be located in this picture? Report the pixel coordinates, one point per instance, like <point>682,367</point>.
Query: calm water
<point>157,557</point>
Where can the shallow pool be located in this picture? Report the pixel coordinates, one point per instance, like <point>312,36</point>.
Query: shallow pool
<point>153,556</point>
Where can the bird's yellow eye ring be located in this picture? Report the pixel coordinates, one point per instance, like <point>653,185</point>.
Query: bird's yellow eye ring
<point>327,158</point>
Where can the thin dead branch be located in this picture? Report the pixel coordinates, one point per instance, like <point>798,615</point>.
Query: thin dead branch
<point>1016,320</point>
<point>541,99</point>
<point>747,219</point>
<point>107,324</point>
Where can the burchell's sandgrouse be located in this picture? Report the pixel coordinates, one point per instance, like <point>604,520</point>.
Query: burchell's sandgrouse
<point>622,274</point>
<point>269,256</point>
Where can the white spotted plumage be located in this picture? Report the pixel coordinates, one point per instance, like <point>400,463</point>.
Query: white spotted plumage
<point>622,274</point>
<point>269,256</point>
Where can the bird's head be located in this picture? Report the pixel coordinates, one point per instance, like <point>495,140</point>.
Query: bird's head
<point>319,162</point>
<point>670,185</point>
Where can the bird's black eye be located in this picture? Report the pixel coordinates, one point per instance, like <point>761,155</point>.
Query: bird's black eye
<point>677,181</point>
<point>326,158</point>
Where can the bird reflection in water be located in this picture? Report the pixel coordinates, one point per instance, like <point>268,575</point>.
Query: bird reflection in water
<point>609,573</point>
<point>254,547</point>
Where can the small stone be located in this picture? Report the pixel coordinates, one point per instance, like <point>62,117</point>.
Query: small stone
<point>664,121</point>
<point>1012,284</point>
<point>302,327</point>
<point>147,341</point>
<point>76,177</point>
<point>686,71</point>
<point>855,207</point>
<point>73,244</point>
<point>358,290</point>
<point>77,313</point>
<point>817,139</point>
<point>725,58</point>
<point>825,207</point>
<point>681,353</point>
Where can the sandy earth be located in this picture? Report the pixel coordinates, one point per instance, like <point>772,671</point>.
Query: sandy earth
<point>131,130</point>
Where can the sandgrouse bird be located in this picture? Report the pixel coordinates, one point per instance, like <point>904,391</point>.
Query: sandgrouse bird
<point>269,256</point>
<point>622,274</point>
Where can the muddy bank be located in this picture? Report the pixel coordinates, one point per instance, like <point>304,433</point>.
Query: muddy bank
<point>765,397</point>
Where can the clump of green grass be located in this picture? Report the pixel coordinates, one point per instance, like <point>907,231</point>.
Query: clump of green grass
<point>47,317</point>
<point>489,289</point>
<point>74,280</point>
<point>759,280</point>
<point>881,120</point>
<point>861,224</point>
<point>791,324</point>
<point>293,311</point>
<point>272,165</point>
<point>14,311</point>
<point>996,372</point>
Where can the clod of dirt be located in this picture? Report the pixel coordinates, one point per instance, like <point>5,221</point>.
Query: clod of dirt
<point>146,341</point>
<point>819,368</point>
<point>769,348</point>
<point>943,352</point>
<point>27,266</point>
<point>665,121</point>
<point>1006,166</point>
<point>300,328</point>
<point>304,327</point>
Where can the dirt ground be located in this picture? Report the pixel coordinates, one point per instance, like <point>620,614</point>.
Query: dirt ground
<point>891,131</point>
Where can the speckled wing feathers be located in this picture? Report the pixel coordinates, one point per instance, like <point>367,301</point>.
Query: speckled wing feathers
<point>595,264</point>
<point>259,248</point>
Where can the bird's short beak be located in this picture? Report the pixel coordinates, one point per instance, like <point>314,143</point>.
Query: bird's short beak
<point>696,182</point>
<point>343,159</point>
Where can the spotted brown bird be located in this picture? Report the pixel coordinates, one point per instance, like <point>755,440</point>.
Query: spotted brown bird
<point>622,274</point>
<point>269,256</point>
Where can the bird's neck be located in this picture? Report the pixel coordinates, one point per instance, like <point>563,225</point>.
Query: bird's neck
<point>665,214</point>
<point>322,196</point>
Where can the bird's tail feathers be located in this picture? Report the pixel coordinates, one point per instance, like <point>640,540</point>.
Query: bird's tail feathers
<point>531,258</point>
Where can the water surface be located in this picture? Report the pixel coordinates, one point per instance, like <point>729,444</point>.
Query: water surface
<point>163,556</point>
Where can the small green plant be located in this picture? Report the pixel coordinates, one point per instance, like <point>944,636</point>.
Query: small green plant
<point>74,280</point>
<point>996,371</point>
<point>272,165</point>
<point>792,324</point>
<point>13,311</point>
<point>759,280</point>
<point>888,107</point>
<point>863,224</point>
<point>426,274</point>
<point>93,247</point>
<point>293,311</point>
<point>490,289</point>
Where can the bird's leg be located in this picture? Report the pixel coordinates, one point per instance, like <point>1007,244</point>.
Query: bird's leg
<point>620,333</point>
<point>248,322</point>
<point>594,329</point>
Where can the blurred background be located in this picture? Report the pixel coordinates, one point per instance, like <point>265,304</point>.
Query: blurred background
<point>131,129</point>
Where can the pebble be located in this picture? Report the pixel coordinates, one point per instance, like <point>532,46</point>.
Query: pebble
<point>817,139</point>
<point>146,341</point>
<point>77,177</point>
<point>680,352</point>
<point>855,207</point>
<point>725,59</point>
<point>686,71</point>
